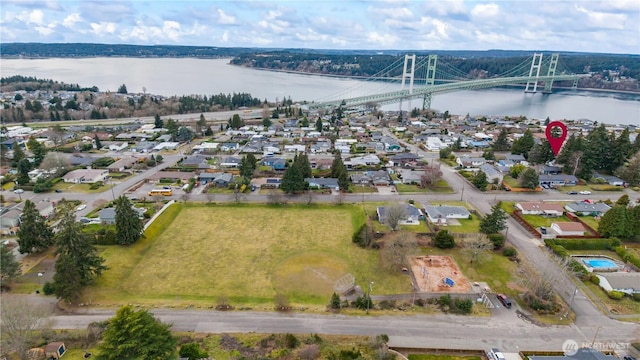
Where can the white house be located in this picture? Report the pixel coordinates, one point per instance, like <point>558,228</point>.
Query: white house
<point>412,215</point>
<point>296,148</point>
<point>441,213</point>
<point>470,162</point>
<point>86,176</point>
<point>434,144</point>
<point>568,228</point>
<point>540,208</point>
<point>627,282</point>
<point>118,147</point>
<point>167,145</point>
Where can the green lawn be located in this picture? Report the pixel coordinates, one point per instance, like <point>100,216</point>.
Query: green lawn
<point>248,254</point>
<point>538,220</point>
<point>81,188</point>
<point>591,221</point>
<point>408,188</point>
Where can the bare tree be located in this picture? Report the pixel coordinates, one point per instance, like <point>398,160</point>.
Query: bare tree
<point>21,323</point>
<point>211,197</point>
<point>397,249</point>
<point>393,214</point>
<point>309,196</point>
<point>432,174</point>
<point>477,247</point>
<point>238,197</point>
<point>55,164</point>
<point>276,197</point>
<point>339,200</point>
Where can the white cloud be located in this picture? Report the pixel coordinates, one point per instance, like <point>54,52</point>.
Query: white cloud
<point>603,20</point>
<point>485,10</point>
<point>71,20</point>
<point>225,36</point>
<point>225,19</point>
<point>446,7</point>
<point>382,40</point>
<point>45,30</point>
<point>171,30</point>
<point>36,17</point>
<point>103,28</point>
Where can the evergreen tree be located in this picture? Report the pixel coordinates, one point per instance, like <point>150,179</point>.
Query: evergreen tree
<point>246,167</point>
<point>529,179</point>
<point>630,171</point>
<point>488,154</point>
<point>172,128</point>
<point>37,149</point>
<point>524,144</point>
<point>266,122</point>
<point>34,234</point>
<point>344,181</point>
<point>18,154</point>
<point>78,263</point>
<point>97,142</point>
<point>201,124</point>
<point>494,222</point>
<point>292,180</point>
<point>208,131</point>
<point>129,227</point>
<point>24,166</point>
<point>479,180</point>
<point>337,166</point>
<point>319,125</point>
<point>444,240</point>
<point>302,160</point>
<point>137,334</point>
<point>541,153</point>
<point>620,151</point>
<point>502,141</point>
<point>158,123</point>
<point>122,89</point>
<point>9,267</point>
<point>236,122</point>
<point>614,223</point>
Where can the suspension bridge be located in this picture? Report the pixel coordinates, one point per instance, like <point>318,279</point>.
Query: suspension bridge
<point>422,79</point>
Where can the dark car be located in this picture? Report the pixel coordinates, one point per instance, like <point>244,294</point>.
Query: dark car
<point>58,190</point>
<point>629,357</point>
<point>504,300</point>
<point>572,192</point>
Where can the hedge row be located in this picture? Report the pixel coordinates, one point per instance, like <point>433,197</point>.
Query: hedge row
<point>627,256</point>
<point>590,244</point>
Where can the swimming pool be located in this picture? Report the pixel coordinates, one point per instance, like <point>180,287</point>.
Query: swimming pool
<point>600,264</point>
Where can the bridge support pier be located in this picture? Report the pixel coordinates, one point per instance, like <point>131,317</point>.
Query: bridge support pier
<point>536,64</point>
<point>553,63</point>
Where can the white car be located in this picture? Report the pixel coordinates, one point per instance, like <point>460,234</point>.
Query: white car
<point>81,207</point>
<point>585,192</point>
<point>18,191</point>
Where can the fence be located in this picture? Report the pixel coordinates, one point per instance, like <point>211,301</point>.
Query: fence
<point>517,215</point>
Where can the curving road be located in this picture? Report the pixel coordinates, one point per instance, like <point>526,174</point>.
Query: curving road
<point>503,329</point>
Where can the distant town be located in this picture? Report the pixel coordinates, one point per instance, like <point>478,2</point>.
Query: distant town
<point>433,195</point>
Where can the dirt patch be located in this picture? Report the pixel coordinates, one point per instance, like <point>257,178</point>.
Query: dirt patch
<point>431,274</point>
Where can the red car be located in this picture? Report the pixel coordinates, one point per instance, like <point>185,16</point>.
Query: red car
<point>504,300</point>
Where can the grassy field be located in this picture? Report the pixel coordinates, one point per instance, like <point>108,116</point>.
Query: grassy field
<point>81,188</point>
<point>195,254</point>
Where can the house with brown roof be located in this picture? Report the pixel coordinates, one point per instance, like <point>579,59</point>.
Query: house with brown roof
<point>540,208</point>
<point>568,228</point>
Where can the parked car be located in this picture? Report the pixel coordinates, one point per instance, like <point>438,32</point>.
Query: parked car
<point>572,192</point>
<point>81,207</point>
<point>504,300</point>
<point>58,190</point>
<point>629,357</point>
<point>18,191</point>
<point>497,354</point>
<point>585,192</point>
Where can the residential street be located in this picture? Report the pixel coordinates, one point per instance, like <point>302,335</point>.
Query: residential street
<point>508,332</point>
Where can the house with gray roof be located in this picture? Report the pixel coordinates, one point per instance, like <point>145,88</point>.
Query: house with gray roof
<point>197,161</point>
<point>323,183</point>
<point>626,282</point>
<point>492,173</point>
<point>610,179</point>
<point>441,213</point>
<point>470,162</point>
<point>412,215</point>
<point>584,208</point>
<point>409,176</point>
<point>557,180</point>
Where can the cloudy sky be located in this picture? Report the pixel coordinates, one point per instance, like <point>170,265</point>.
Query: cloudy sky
<point>564,25</point>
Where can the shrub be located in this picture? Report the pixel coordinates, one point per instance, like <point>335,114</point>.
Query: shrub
<point>444,240</point>
<point>594,279</point>
<point>444,300</point>
<point>192,351</point>
<point>48,288</point>
<point>291,341</point>
<point>335,301</point>
<point>615,295</point>
<point>463,306</point>
<point>364,302</point>
<point>509,252</point>
<point>636,296</point>
<point>497,240</point>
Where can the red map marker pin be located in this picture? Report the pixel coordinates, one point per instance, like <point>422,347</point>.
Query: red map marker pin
<point>556,140</point>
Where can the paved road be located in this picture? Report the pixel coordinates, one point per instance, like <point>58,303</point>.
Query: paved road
<point>505,331</point>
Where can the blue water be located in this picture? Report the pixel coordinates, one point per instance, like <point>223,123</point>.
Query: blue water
<point>600,263</point>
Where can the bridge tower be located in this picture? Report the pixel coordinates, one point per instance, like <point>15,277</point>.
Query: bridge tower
<point>411,75</point>
<point>536,64</point>
<point>553,63</point>
<point>430,80</point>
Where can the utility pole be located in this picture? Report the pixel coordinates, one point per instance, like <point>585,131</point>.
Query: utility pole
<point>369,296</point>
<point>462,194</point>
